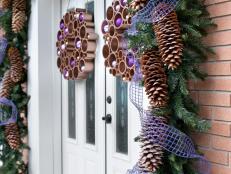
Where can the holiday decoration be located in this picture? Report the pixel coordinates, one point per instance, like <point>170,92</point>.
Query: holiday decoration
<point>13,97</point>
<point>137,5</point>
<point>155,80</point>
<point>119,60</point>
<point>3,46</point>
<point>76,44</point>
<point>5,4</point>
<point>169,40</point>
<point>19,15</point>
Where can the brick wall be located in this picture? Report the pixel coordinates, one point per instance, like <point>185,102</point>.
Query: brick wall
<point>214,95</point>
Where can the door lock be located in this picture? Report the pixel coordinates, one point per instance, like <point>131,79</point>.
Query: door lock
<point>107,118</point>
<point>109,99</point>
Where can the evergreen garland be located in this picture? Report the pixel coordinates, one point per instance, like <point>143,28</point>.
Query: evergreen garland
<point>12,160</point>
<point>194,21</point>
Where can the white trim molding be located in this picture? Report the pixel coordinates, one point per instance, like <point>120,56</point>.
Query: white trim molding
<point>44,87</point>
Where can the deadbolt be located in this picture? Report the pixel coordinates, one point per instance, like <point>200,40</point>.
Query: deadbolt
<point>109,99</point>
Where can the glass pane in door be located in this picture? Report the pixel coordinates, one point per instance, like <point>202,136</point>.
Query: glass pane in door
<point>90,109</point>
<point>71,110</point>
<point>121,116</point>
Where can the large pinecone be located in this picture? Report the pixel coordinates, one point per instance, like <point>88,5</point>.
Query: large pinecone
<point>169,40</point>
<point>5,4</point>
<point>7,85</point>
<point>16,64</point>
<point>12,135</point>
<point>18,15</point>
<point>136,5</point>
<point>155,79</point>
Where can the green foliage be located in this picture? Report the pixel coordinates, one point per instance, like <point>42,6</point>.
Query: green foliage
<point>12,159</point>
<point>194,22</point>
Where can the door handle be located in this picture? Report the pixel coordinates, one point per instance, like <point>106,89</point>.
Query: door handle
<point>107,118</point>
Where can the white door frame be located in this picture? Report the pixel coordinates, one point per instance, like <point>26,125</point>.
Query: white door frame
<point>44,87</point>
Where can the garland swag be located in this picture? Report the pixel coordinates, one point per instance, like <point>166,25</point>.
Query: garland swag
<point>14,22</point>
<point>194,21</point>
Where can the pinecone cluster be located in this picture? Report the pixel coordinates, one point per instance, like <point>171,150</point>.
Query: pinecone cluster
<point>5,4</point>
<point>16,64</point>
<point>155,80</point>
<point>7,85</point>
<point>169,40</point>
<point>136,5</point>
<point>18,15</point>
<point>12,135</point>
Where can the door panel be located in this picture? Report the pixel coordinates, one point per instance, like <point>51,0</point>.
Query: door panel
<point>83,129</point>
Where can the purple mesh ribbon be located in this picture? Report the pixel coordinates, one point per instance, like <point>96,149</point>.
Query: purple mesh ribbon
<point>4,117</point>
<point>168,137</point>
<point>3,46</point>
<point>153,12</point>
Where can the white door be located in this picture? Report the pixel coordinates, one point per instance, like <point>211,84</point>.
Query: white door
<point>90,144</point>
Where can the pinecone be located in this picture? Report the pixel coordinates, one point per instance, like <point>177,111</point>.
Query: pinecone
<point>18,21</point>
<point>7,85</point>
<point>151,156</point>
<point>137,5</point>
<point>12,135</point>
<point>155,80</point>
<point>16,64</point>
<point>5,4</point>
<point>169,40</point>
<point>19,5</point>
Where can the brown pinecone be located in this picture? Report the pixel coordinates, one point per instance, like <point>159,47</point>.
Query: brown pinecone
<point>16,62</point>
<point>19,5</point>
<point>169,40</point>
<point>136,5</point>
<point>18,21</point>
<point>7,85</point>
<point>5,4</point>
<point>12,135</point>
<point>155,79</point>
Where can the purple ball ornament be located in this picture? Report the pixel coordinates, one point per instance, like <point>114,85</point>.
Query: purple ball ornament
<point>119,22</point>
<point>123,2</point>
<point>106,28</point>
<point>130,59</point>
<point>61,25</point>
<point>65,73</point>
<point>66,31</point>
<point>78,44</point>
<point>72,62</point>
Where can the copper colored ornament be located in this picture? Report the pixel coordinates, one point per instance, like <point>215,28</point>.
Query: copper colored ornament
<point>136,5</point>
<point>16,64</point>
<point>119,60</point>
<point>169,40</point>
<point>18,15</point>
<point>76,44</point>
<point>5,4</point>
<point>155,79</point>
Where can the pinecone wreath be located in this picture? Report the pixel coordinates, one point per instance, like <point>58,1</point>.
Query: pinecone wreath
<point>11,130</point>
<point>155,80</point>
<point>16,64</point>
<point>18,15</point>
<point>151,154</point>
<point>169,40</point>
<point>136,5</point>
<point>5,4</point>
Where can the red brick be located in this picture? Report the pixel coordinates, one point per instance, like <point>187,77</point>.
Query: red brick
<point>221,53</point>
<point>209,2</point>
<point>201,139</point>
<point>214,83</point>
<point>216,156</point>
<point>220,169</point>
<point>221,9</point>
<point>221,143</point>
<point>220,128</point>
<point>214,98</point>
<point>205,112</point>
<point>217,68</point>
<point>218,38</point>
<point>221,113</point>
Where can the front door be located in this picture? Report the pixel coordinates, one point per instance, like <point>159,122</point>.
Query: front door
<point>91,142</point>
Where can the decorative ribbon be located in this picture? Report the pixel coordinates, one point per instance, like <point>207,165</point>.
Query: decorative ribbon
<point>168,137</point>
<point>3,46</point>
<point>4,117</point>
<point>154,11</point>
